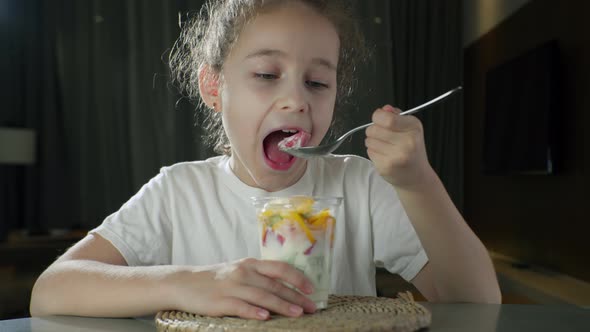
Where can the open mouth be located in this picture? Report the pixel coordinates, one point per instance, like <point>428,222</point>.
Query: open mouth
<point>274,157</point>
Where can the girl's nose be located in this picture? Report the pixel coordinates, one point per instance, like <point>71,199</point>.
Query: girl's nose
<point>293,100</point>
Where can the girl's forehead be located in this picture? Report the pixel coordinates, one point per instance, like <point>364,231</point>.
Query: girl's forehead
<point>292,28</point>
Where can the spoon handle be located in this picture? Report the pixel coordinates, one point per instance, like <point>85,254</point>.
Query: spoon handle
<point>354,130</point>
<point>431,102</point>
<point>408,112</point>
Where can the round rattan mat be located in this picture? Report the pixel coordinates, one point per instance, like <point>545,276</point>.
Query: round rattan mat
<point>344,313</point>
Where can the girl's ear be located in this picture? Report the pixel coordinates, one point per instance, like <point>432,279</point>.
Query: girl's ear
<point>209,87</point>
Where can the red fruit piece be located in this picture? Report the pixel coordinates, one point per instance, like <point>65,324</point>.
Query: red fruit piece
<point>281,239</point>
<point>264,233</point>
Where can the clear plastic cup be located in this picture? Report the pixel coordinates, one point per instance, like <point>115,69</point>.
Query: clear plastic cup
<point>299,230</point>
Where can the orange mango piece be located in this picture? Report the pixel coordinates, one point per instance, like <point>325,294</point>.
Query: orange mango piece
<point>301,222</point>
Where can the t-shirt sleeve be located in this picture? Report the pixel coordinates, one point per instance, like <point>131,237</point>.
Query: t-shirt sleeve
<point>141,230</point>
<point>396,245</point>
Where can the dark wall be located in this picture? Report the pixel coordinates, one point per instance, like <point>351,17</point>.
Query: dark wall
<point>542,220</point>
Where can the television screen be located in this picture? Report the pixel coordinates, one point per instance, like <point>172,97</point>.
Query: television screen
<point>520,130</point>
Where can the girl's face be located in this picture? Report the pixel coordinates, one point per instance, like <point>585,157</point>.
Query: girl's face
<point>279,77</point>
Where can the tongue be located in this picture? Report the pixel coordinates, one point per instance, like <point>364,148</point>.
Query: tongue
<point>271,147</point>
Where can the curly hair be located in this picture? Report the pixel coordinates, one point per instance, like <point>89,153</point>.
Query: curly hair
<point>206,38</point>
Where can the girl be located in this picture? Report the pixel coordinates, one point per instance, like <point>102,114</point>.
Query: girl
<point>268,69</point>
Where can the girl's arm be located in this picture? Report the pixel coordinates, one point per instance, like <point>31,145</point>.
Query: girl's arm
<point>459,267</point>
<point>92,279</point>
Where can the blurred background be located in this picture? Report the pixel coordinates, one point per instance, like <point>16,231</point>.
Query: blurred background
<point>88,115</point>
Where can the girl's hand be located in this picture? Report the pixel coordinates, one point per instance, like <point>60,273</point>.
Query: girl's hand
<point>248,288</point>
<point>395,144</point>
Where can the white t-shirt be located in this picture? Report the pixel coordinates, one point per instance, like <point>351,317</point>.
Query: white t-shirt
<point>200,213</point>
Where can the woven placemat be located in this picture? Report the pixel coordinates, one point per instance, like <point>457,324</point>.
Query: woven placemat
<point>344,313</point>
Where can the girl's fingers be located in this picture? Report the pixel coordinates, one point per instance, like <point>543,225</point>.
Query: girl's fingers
<point>384,154</point>
<point>278,288</point>
<point>400,151</point>
<point>285,272</point>
<point>236,307</point>
<point>383,134</point>
<point>391,109</point>
<point>393,121</point>
<point>378,146</point>
<point>264,299</point>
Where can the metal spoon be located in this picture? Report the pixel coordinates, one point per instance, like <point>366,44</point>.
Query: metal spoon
<point>313,151</point>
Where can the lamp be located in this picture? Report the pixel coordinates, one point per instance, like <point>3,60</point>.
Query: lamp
<point>17,146</point>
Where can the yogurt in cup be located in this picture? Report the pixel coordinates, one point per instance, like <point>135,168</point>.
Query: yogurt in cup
<point>299,230</point>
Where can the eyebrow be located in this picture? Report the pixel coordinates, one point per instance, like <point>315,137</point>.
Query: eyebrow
<point>266,52</point>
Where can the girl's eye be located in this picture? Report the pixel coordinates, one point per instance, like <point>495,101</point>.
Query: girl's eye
<point>266,76</point>
<point>317,85</point>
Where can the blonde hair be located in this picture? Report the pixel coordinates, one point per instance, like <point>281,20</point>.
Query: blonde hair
<point>207,37</point>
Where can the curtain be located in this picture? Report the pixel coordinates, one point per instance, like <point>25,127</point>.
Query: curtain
<point>92,80</point>
<point>120,115</point>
